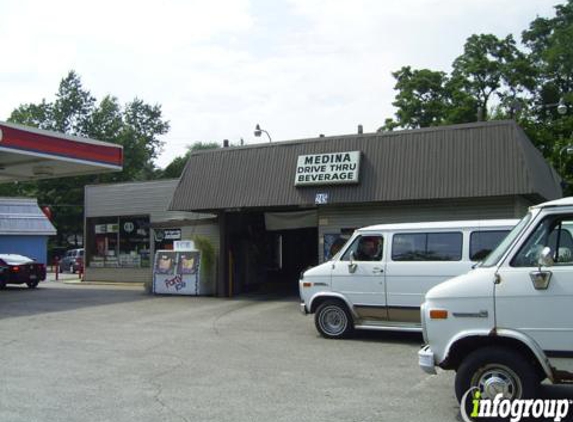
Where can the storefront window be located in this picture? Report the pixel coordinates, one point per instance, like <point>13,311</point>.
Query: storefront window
<point>134,242</point>
<point>115,242</point>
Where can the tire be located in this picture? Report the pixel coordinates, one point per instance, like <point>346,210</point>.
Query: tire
<point>32,284</point>
<point>333,320</point>
<point>495,370</point>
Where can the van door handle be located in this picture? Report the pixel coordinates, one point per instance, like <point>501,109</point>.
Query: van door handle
<point>377,270</point>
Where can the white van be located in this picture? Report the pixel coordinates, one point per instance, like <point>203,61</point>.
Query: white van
<point>508,324</point>
<point>378,279</point>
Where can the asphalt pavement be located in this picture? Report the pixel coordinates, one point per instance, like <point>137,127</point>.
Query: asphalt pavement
<point>103,353</point>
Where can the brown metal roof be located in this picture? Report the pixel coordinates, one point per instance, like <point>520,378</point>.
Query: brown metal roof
<point>471,160</point>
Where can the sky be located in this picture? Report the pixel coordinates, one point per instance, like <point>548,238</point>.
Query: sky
<point>217,68</point>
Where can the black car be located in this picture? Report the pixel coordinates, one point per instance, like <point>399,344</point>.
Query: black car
<point>19,269</point>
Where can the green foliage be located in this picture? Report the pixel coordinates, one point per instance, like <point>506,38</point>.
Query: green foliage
<point>175,168</point>
<point>136,126</point>
<point>208,258</point>
<point>429,98</point>
<point>496,77</point>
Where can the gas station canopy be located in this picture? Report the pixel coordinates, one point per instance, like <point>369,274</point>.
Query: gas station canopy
<point>28,153</point>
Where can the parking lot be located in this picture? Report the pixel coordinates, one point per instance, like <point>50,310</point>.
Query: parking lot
<point>103,353</point>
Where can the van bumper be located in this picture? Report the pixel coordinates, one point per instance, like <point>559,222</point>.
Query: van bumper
<point>303,309</point>
<point>426,360</point>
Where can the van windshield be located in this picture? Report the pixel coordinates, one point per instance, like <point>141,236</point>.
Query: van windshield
<point>495,255</point>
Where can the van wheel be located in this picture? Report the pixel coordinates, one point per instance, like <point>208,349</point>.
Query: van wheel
<point>333,320</point>
<point>494,370</point>
<point>32,284</point>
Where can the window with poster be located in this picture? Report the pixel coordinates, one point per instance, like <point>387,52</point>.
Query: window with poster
<point>116,242</point>
<point>134,241</point>
<point>333,242</point>
<point>102,247</point>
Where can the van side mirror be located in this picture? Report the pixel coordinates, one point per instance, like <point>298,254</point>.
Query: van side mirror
<point>546,257</point>
<point>351,265</point>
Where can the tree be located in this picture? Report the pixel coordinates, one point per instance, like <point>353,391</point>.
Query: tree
<point>549,41</point>
<point>136,126</point>
<point>429,98</point>
<point>503,81</point>
<point>489,68</point>
<point>176,167</point>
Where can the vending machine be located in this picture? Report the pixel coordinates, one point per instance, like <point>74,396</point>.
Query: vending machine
<point>177,272</point>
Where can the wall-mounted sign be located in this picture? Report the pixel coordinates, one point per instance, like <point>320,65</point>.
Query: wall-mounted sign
<point>172,234</point>
<point>321,199</point>
<point>327,169</point>
<point>181,245</point>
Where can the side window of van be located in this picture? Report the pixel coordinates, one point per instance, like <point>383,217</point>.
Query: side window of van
<point>483,242</point>
<point>365,248</point>
<point>427,246</point>
<point>554,232</point>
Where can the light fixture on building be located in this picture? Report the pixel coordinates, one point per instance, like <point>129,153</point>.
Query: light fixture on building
<point>258,132</point>
<point>561,107</point>
<point>43,171</point>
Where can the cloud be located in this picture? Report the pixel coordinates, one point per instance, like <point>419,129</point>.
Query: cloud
<point>297,67</point>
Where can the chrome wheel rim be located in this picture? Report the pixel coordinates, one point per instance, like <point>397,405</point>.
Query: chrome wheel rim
<point>495,379</point>
<point>333,320</point>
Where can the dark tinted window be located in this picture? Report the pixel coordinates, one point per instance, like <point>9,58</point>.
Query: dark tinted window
<point>427,247</point>
<point>483,242</point>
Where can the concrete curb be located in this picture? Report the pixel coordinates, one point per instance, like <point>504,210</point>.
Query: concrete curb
<point>100,283</point>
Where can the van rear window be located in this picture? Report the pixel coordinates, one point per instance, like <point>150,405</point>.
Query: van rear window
<point>483,242</point>
<point>427,246</point>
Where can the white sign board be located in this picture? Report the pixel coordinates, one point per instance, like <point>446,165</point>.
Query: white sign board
<point>327,169</point>
<point>182,245</point>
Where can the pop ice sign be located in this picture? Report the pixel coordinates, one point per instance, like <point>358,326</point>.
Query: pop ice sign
<point>327,169</point>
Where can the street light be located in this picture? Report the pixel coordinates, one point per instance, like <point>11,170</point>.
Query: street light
<point>258,132</point>
<point>561,107</point>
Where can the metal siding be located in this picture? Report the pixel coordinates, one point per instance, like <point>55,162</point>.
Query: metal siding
<point>210,231</point>
<point>22,216</point>
<point>334,219</point>
<point>128,198</point>
<point>474,160</point>
<point>35,247</point>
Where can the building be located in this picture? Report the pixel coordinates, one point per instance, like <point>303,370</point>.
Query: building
<point>280,207</point>
<point>24,228</point>
<point>126,222</point>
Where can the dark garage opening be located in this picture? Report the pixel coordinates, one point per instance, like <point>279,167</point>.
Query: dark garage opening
<point>266,256</point>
